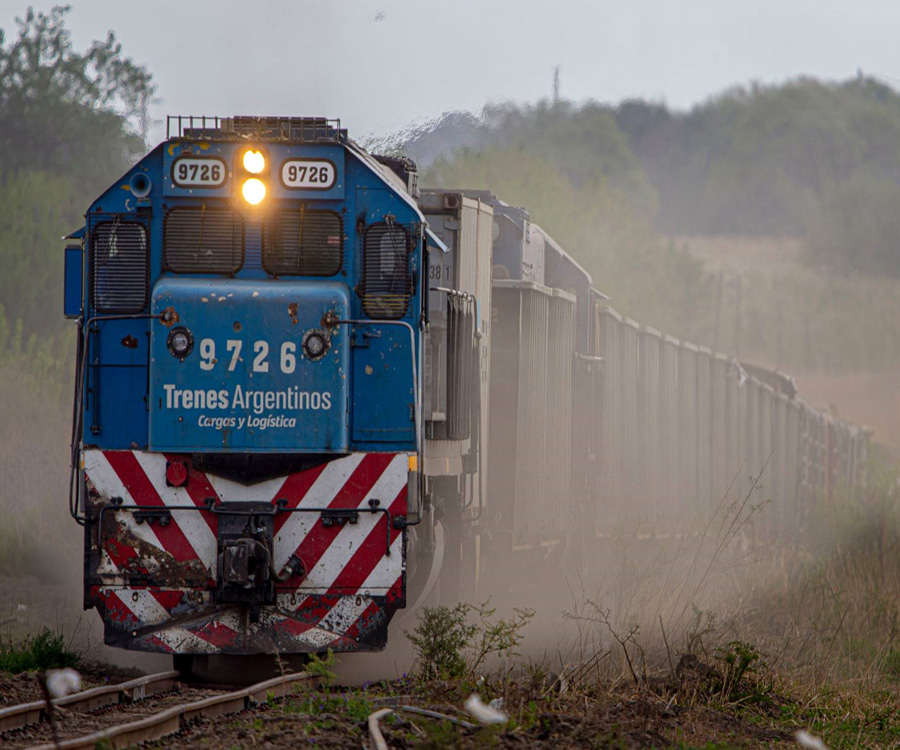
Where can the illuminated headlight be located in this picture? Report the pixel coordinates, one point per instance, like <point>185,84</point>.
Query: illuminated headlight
<point>254,161</point>
<point>314,344</point>
<point>254,191</point>
<point>180,342</point>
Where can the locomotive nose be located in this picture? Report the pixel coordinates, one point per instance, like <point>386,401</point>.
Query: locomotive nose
<point>238,365</point>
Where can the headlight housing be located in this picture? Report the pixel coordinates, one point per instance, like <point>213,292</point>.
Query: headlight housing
<point>251,171</point>
<point>180,342</point>
<point>315,343</point>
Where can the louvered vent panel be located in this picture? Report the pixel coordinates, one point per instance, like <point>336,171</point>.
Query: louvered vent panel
<point>386,284</point>
<point>302,242</point>
<point>119,267</point>
<point>203,239</point>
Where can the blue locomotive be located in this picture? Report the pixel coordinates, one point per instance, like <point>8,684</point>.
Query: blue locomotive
<point>309,393</point>
<point>249,414</point>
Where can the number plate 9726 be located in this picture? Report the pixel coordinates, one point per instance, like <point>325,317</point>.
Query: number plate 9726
<point>199,172</point>
<point>308,174</point>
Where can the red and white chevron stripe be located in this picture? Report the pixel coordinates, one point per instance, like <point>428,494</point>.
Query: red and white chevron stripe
<point>344,602</point>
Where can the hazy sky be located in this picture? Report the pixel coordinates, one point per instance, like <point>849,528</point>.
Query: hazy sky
<point>379,64</point>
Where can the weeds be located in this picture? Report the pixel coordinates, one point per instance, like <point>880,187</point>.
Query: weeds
<point>439,638</point>
<point>596,614</point>
<point>355,706</point>
<point>502,637</point>
<point>739,661</point>
<point>443,635</point>
<point>703,626</point>
<point>322,667</point>
<point>46,650</point>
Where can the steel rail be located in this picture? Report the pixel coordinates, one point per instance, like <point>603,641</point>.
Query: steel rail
<point>174,719</point>
<point>23,714</point>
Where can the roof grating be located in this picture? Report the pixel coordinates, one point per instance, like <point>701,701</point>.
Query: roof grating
<point>291,129</point>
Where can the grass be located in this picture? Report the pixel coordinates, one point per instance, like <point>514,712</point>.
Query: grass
<point>46,650</point>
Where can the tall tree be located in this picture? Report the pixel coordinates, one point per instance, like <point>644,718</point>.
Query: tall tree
<point>69,124</point>
<point>70,113</point>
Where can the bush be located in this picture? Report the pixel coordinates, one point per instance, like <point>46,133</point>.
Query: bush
<point>47,650</point>
<point>439,638</point>
<point>443,634</point>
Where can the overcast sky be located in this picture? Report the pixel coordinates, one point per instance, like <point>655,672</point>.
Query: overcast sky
<point>380,64</point>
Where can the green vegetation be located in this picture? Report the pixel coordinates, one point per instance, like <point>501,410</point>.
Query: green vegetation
<point>46,650</point>
<point>858,227</point>
<point>597,222</point>
<point>439,638</point>
<point>448,646</point>
<point>762,160</point>
<point>66,112</point>
<point>70,122</point>
<point>353,704</point>
<point>644,197</point>
<point>322,666</point>
<point>798,159</point>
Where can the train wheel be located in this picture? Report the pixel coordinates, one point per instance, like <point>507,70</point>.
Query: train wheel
<point>229,669</point>
<point>184,665</point>
<point>449,589</point>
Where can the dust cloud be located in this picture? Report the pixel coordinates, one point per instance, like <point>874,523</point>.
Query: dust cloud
<point>41,562</point>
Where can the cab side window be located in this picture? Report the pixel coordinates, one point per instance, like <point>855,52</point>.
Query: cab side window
<point>386,281</point>
<point>119,267</point>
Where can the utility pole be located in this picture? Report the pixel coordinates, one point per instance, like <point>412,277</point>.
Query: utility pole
<point>715,345</point>
<point>737,319</point>
<point>556,85</point>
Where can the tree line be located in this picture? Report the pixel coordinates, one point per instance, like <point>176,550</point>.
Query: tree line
<point>805,158</point>
<point>70,123</point>
<point>611,181</point>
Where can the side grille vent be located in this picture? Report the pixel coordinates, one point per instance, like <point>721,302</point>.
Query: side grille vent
<point>119,267</point>
<point>386,282</point>
<point>203,239</point>
<point>303,242</point>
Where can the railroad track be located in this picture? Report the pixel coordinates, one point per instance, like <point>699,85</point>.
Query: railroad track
<point>140,710</point>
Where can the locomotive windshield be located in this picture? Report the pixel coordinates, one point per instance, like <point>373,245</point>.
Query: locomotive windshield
<point>303,242</point>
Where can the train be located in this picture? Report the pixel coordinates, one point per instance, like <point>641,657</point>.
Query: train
<point>310,393</point>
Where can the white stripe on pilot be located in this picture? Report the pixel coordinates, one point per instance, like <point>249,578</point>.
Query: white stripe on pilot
<point>106,567</point>
<point>383,575</point>
<point>183,641</point>
<point>319,638</point>
<point>322,492</point>
<point>230,618</point>
<point>232,492</point>
<point>109,484</point>
<point>386,572</point>
<point>150,612</point>
<point>345,544</point>
<point>342,615</point>
<point>350,607</point>
<point>143,605</point>
<point>192,524</point>
<point>272,620</point>
<point>264,492</point>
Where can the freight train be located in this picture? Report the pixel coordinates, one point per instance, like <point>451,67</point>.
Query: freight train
<point>309,393</point>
